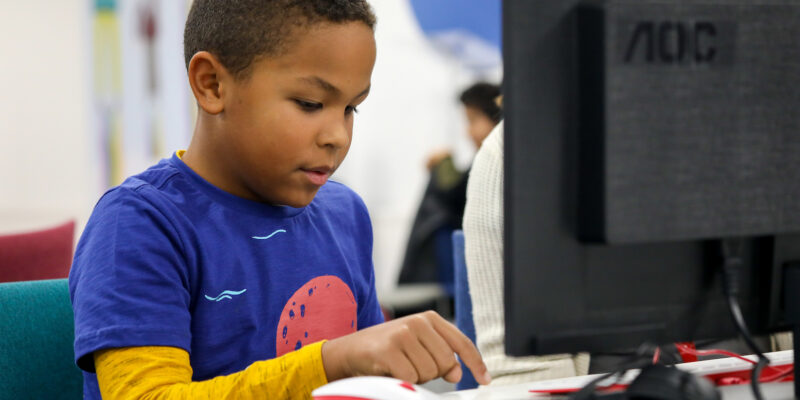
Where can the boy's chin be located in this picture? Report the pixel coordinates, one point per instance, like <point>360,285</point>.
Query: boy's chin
<point>296,200</point>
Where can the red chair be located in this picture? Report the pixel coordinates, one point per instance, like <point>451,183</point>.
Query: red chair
<point>45,254</point>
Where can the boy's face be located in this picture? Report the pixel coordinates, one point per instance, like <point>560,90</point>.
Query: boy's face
<point>289,125</point>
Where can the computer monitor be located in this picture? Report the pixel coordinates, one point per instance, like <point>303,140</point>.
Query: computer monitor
<point>638,135</point>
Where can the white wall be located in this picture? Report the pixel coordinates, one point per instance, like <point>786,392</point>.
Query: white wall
<point>51,152</point>
<point>46,172</point>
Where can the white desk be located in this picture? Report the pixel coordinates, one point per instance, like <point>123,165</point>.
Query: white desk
<point>772,391</point>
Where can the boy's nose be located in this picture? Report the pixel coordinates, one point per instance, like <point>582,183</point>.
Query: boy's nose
<point>335,135</point>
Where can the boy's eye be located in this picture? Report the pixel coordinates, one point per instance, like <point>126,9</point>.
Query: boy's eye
<point>307,105</point>
<point>350,109</point>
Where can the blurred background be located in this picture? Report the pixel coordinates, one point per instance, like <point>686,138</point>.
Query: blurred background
<point>95,91</point>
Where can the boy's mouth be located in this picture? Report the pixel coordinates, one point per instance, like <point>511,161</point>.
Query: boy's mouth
<point>317,175</point>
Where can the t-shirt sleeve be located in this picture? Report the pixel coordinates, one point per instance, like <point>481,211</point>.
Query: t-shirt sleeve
<point>369,310</point>
<point>129,284</point>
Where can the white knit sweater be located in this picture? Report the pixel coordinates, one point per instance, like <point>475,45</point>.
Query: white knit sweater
<point>483,234</point>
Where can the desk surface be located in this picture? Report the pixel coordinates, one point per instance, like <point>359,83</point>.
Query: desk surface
<point>773,391</point>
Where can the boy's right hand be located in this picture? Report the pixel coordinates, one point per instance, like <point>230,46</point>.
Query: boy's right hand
<point>416,348</point>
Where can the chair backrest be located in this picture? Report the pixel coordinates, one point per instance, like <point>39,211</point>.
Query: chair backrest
<point>463,304</point>
<point>443,238</point>
<point>36,342</point>
<point>44,254</point>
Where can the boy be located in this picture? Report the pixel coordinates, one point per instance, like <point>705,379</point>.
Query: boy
<point>192,276</point>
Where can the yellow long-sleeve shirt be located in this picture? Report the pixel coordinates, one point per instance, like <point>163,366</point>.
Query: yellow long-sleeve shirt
<point>154,372</point>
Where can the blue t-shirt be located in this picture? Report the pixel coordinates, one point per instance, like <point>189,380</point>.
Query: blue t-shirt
<point>167,259</point>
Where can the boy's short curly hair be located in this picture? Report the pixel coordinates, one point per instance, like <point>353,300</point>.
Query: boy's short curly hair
<point>240,31</point>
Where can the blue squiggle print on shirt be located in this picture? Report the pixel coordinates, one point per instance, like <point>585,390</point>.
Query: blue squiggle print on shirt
<point>270,235</point>
<point>225,295</point>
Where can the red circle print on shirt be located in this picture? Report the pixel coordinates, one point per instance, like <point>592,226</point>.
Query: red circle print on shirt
<point>324,308</point>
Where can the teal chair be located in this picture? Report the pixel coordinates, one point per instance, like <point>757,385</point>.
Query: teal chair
<point>36,342</point>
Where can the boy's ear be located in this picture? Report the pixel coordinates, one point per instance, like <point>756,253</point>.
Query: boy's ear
<point>206,75</point>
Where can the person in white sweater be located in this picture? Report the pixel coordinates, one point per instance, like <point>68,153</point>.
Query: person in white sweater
<point>483,236</point>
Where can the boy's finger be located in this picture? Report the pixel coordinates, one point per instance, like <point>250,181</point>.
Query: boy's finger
<point>400,367</point>
<point>454,375</point>
<point>422,360</point>
<point>464,348</point>
<point>438,348</point>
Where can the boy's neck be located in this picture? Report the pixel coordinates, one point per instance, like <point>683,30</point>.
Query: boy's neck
<point>203,156</point>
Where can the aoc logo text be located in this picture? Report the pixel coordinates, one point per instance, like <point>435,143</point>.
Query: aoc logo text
<point>672,42</point>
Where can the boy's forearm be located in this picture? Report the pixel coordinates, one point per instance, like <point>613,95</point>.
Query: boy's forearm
<point>165,373</point>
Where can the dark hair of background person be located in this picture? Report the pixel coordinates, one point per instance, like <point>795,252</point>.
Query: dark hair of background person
<point>482,96</point>
<point>238,32</point>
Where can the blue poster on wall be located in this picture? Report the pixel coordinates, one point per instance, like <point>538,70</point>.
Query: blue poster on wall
<point>468,30</point>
